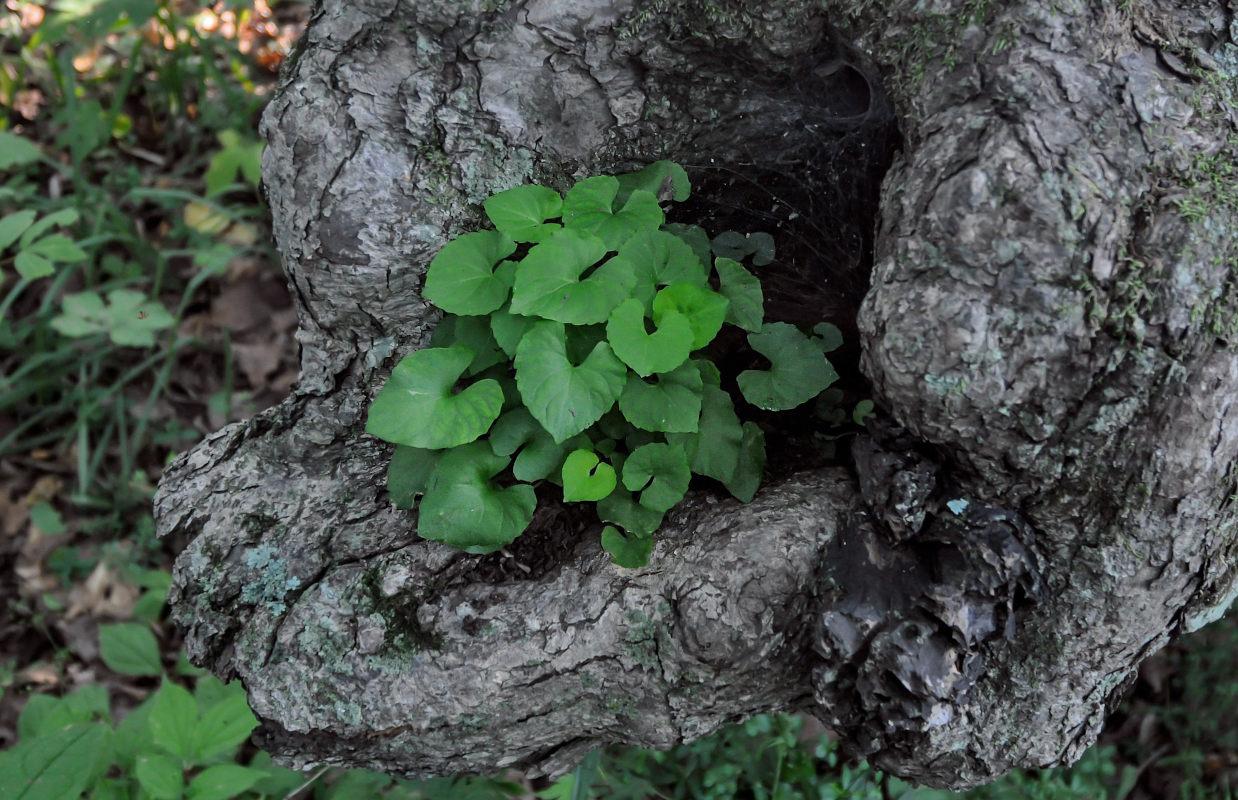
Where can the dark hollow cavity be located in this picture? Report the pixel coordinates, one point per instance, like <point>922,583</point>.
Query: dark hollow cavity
<point>814,185</point>
<point>799,155</point>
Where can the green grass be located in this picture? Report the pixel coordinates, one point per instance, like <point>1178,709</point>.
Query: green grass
<point>128,171</point>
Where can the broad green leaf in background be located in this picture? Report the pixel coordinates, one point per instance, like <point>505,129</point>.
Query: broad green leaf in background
<point>13,225</point>
<point>223,782</point>
<point>408,473</point>
<point>646,353</point>
<point>704,309</point>
<point>464,509</point>
<point>586,478</point>
<point>548,282</point>
<point>173,716</point>
<point>33,266</point>
<point>63,216</point>
<point>43,713</point>
<point>55,766</point>
<point>735,245</point>
<point>463,278</point>
<point>669,258</point>
<point>564,398</point>
<point>36,257</point>
<point>761,248</point>
<point>240,155</point>
<point>660,473</point>
<point>799,370</point>
<point>57,248</point>
<point>129,319</point>
<point>521,212</point>
<point>160,776</point>
<point>418,408</point>
<point>130,649</point>
<point>672,403</point>
<point>743,289</point>
<point>16,151</point>
<point>223,727</point>
<point>46,519</point>
<point>629,551</point>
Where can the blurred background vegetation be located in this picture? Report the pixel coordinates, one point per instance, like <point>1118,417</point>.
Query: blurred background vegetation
<point>142,307</point>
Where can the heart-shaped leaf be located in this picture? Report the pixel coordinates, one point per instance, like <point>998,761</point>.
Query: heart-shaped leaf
<point>799,372</point>
<point>743,289</point>
<point>564,398</point>
<point>589,206</point>
<point>747,478</point>
<point>463,508</point>
<point>654,178</point>
<point>408,473</point>
<point>666,256</point>
<point>463,279</point>
<point>586,478</point>
<point>631,551</point>
<point>539,457</point>
<point>695,237</point>
<point>673,403</point>
<point>521,212</point>
<point>704,309</point>
<point>508,329</point>
<point>473,333</point>
<point>647,353</point>
<point>548,282</point>
<point>715,449</point>
<point>619,507</point>
<point>829,338</point>
<point>417,407</point>
<point>660,473</point>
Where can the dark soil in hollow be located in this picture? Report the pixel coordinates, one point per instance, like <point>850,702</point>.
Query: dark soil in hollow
<point>820,203</point>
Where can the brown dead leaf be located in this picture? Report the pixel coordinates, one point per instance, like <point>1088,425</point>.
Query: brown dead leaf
<point>240,306</point>
<point>13,513</point>
<point>103,594</point>
<point>38,674</point>
<point>45,490</point>
<point>258,361</point>
<point>32,581</point>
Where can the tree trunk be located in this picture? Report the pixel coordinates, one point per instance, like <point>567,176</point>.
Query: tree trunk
<point>1049,334</point>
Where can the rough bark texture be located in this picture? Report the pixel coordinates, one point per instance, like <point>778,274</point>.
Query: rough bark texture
<point>1050,333</point>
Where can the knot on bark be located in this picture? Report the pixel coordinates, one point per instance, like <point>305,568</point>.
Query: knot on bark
<point>905,623</point>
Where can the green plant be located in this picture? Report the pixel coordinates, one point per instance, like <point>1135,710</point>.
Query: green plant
<point>762,757</point>
<point>574,342</point>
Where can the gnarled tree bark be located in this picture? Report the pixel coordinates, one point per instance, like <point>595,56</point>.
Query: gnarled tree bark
<point>1049,333</point>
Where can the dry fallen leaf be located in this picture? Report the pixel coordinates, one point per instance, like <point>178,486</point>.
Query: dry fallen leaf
<point>102,594</point>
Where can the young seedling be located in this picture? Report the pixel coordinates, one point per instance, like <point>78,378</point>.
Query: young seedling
<point>580,361</point>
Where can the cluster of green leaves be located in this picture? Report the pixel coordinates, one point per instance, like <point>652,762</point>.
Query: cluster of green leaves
<point>572,352</point>
<point>762,757</point>
<point>182,744</point>
<point>176,744</point>
<point>82,278</point>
